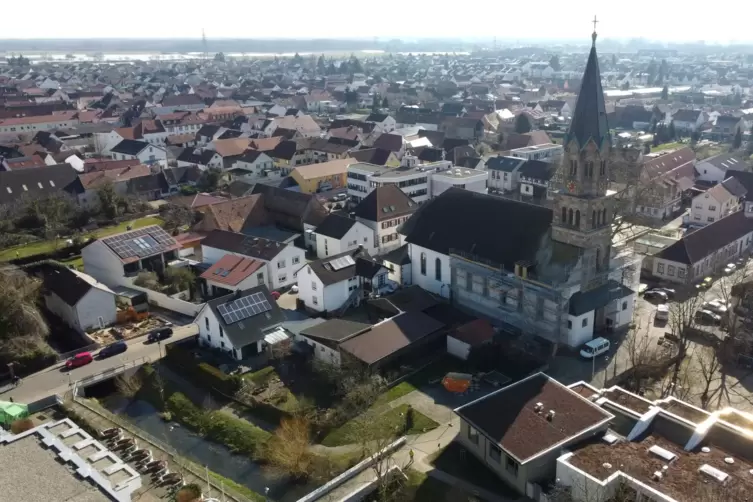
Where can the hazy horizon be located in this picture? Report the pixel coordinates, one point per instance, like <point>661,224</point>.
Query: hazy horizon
<point>390,19</point>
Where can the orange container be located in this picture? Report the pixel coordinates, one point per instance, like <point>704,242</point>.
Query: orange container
<point>457,382</point>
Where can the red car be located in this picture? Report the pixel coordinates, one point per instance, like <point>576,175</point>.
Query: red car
<point>275,295</point>
<point>80,359</point>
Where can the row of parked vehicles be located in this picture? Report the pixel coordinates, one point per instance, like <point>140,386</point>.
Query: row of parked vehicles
<point>115,348</point>
<point>710,312</point>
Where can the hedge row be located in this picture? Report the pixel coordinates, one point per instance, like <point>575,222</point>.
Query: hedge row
<point>201,373</point>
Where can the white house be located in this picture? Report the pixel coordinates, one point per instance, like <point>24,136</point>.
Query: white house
<point>707,250</point>
<point>253,164</point>
<point>78,299</point>
<point>383,211</point>
<point>411,178</point>
<point>714,169</point>
<point>473,180</point>
<point>398,263</point>
<point>547,152</point>
<point>234,273</point>
<point>203,158</point>
<point>430,270</point>
<point>336,282</point>
<point>283,260</point>
<point>240,323</point>
<point>504,173</point>
<point>338,234</point>
<point>717,202</point>
<point>383,122</point>
<point>689,121</point>
<point>324,338</point>
<point>142,151</point>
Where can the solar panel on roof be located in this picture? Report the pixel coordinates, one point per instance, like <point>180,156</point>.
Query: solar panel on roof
<point>142,242</point>
<point>243,308</point>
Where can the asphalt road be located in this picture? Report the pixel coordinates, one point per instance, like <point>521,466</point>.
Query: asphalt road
<point>55,380</point>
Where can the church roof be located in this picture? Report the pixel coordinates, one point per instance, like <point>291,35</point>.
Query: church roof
<point>590,115</point>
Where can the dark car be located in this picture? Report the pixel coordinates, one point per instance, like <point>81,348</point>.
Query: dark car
<point>656,296</point>
<point>113,349</point>
<point>159,334</point>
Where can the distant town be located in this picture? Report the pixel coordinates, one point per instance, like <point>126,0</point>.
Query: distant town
<point>431,271</point>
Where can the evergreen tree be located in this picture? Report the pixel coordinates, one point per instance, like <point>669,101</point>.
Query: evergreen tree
<point>651,71</point>
<point>297,59</point>
<point>219,57</point>
<point>737,142</point>
<point>554,62</point>
<point>749,148</point>
<point>385,103</point>
<point>355,64</point>
<point>694,137</point>
<point>522,124</point>
<point>671,132</point>
<point>614,59</point>
<point>375,103</point>
<point>665,93</point>
<point>321,64</point>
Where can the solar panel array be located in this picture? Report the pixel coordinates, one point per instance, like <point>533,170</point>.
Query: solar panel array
<point>342,262</point>
<point>140,243</point>
<point>243,308</point>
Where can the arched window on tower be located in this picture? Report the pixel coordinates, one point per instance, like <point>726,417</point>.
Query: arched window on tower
<point>593,219</point>
<point>573,167</point>
<point>604,216</point>
<point>577,218</point>
<point>564,215</point>
<point>590,169</point>
<point>423,263</point>
<point>598,258</point>
<point>603,168</point>
<point>570,216</point>
<point>438,269</point>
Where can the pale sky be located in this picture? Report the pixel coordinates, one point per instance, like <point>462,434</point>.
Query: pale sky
<point>541,19</point>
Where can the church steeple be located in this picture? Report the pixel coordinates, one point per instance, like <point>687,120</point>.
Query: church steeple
<point>589,120</point>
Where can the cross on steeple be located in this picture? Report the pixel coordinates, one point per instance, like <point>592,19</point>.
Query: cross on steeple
<point>593,36</point>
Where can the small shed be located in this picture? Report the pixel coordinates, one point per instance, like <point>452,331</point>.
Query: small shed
<point>469,335</point>
<point>10,412</point>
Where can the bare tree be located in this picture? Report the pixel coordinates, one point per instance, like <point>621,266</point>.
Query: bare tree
<point>289,450</point>
<point>709,365</point>
<point>129,386</point>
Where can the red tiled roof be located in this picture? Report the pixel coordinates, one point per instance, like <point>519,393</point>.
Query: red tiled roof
<point>232,269</point>
<point>475,332</point>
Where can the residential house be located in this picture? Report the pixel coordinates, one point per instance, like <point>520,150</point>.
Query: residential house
<point>727,127</point>
<point>325,337</point>
<point>377,156</point>
<point>183,102</point>
<point>332,284</point>
<point>322,177</point>
<point>282,260</point>
<point>119,178</point>
<point>714,169</point>
<point>689,121</point>
<point>290,210</point>
<point>504,173</point>
<point>285,156</point>
<point>383,211</point>
<point>398,263</point>
<point>145,153</point>
<point>239,323</point>
<point>116,260</point>
<point>252,165</point>
<point>521,430</point>
<point>717,202</point>
<point>548,153</point>
<point>229,214</point>
<point>382,122</point>
<point>234,273</point>
<point>469,337</point>
<point>202,158</point>
<point>338,234</point>
<point>391,142</point>
<point>707,250</point>
<point>39,182</point>
<point>467,128</point>
<point>473,180</point>
<point>62,120</point>
<point>411,178</point>
<point>664,178</point>
<point>81,301</point>
<point>535,177</point>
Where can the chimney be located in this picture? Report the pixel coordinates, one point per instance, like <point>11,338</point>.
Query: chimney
<point>550,415</point>
<point>539,407</point>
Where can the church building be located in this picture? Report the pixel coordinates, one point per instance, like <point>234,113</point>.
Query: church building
<point>530,269</point>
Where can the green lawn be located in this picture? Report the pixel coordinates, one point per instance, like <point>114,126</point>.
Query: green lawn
<point>399,390</point>
<point>667,146</point>
<point>392,421</point>
<point>261,376</point>
<point>39,247</point>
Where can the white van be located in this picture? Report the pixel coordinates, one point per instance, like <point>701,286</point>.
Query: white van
<point>595,347</point>
<point>662,313</point>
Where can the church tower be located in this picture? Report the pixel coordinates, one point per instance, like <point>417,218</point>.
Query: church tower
<point>582,210</point>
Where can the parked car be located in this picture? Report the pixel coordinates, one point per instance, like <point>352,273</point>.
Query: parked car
<point>662,313</point>
<point>707,317</point>
<point>668,291</point>
<point>159,334</point>
<point>705,283</point>
<point>80,359</point>
<point>655,295</point>
<point>595,348</point>
<point>731,267</point>
<point>716,306</point>
<point>113,349</point>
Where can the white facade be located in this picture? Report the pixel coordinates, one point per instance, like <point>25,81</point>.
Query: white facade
<point>96,309</point>
<point>102,264</point>
<point>255,279</point>
<point>458,348</point>
<point>415,181</point>
<point>468,179</point>
<point>318,297</point>
<point>322,352</point>
<point>503,181</point>
<point>280,270</point>
<point>708,208</point>
<point>152,154</point>
<point>256,168</point>
<point>430,270</point>
<point>211,333</point>
<point>580,329</point>
<point>358,235</point>
<point>42,124</point>
<point>548,153</point>
<point>386,236</point>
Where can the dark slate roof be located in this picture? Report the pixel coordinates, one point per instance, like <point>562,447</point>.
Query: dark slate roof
<point>377,117</point>
<point>367,267</point>
<point>291,209</point>
<point>506,164</point>
<point>459,219</point>
<point>696,245</point>
<point>378,156</point>
<point>384,203</point>
<point>399,256</point>
<point>149,183</point>
<point>391,142</point>
<point>250,329</point>
<point>254,247</point>
<point>335,226</point>
<point>685,115</point>
<point>239,188</point>
<point>538,170</point>
<point>745,178</point>
<point>284,150</point>
<point>230,133</point>
<point>39,182</point>
<point>327,275</point>
<point>725,161</point>
<point>590,115</point>
<point>734,187</point>
<point>208,130</point>
<point>181,175</point>
<point>429,154</point>
<point>334,330</point>
<point>62,282</point>
<point>587,301</point>
<point>129,147</point>
<point>202,158</point>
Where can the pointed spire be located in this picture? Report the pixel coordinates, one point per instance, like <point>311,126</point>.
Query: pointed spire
<point>590,114</point>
